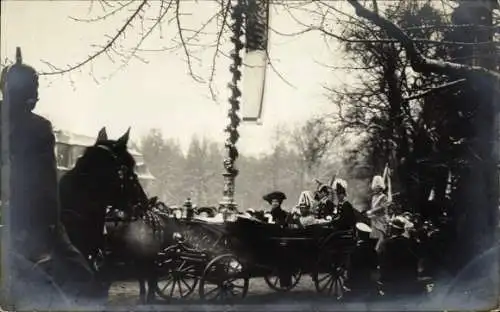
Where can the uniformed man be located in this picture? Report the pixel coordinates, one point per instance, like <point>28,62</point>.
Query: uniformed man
<point>35,227</point>
<point>398,262</point>
<point>326,207</point>
<point>346,220</point>
<point>379,212</point>
<point>275,199</point>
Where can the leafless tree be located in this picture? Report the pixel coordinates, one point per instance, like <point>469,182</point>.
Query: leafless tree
<point>313,141</point>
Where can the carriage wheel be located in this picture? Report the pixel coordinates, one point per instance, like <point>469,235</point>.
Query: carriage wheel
<point>179,282</point>
<point>274,282</point>
<point>329,277</point>
<point>224,279</point>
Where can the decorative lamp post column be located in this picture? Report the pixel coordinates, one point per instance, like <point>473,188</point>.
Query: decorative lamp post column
<point>228,202</point>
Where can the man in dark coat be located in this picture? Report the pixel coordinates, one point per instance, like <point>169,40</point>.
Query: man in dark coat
<point>35,229</point>
<point>398,262</point>
<point>326,207</point>
<point>275,199</point>
<point>363,264</point>
<point>346,220</point>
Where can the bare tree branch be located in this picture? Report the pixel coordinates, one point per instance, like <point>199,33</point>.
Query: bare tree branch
<point>439,88</point>
<point>105,16</point>
<point>420,63</point>
<point>216,53</point>
<point>186,52</point>
<point>104,49</point>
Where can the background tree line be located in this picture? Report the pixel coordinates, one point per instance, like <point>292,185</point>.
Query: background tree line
<point>299,155</point>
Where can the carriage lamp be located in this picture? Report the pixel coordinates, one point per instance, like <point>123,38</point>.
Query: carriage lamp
<point>177,237</point>
<point>234,266</point>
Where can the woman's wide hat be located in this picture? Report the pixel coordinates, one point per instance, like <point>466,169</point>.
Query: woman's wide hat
<point>274,195</point>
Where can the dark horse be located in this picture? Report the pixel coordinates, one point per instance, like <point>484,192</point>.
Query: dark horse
<point>104,180</point>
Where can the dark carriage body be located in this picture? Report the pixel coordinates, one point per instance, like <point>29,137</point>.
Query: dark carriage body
<point>264,247</point>
<point>216,253</point>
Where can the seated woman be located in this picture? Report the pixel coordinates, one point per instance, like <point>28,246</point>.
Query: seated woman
<point>275,199</point>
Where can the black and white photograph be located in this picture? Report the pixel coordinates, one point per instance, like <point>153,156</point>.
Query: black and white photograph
<point>256,155</point>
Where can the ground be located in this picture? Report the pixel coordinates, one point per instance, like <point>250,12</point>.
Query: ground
<point>127,293</point>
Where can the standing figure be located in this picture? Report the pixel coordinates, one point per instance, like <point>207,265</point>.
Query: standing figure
<point>35,226</point>
<point>326,207</point>
<point>379,212</point>
<point>346,220</point>
<point>275,199</point>
<point>398,262</point>
<point>364,262</point>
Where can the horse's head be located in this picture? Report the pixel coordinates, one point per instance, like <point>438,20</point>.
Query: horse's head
<point>109,169</point>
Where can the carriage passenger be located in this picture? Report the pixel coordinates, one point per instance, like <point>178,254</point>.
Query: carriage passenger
<point>326,207</point>
<point>306,216</point>
<point>275,199</point>
<point>346,219</point>
<point>379,212</point>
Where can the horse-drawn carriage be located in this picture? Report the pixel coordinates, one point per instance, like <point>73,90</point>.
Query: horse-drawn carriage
<point>246,248</point>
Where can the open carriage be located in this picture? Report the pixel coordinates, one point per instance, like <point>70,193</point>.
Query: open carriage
<point>247,249</point>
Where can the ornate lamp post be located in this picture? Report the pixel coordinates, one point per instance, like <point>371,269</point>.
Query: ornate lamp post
<point>228,202</point>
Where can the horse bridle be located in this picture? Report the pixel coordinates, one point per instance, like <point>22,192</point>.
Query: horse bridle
<point>121,168</point>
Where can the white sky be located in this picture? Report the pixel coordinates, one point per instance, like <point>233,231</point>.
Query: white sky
<point>161,94</point>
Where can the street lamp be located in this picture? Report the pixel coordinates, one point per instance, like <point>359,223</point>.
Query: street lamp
<point>228,203</point>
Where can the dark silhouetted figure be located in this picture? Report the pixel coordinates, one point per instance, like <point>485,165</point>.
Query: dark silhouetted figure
<point>346,220</point>
<point>398,263</point>
<point>364,261</point>
<point>36,231</point>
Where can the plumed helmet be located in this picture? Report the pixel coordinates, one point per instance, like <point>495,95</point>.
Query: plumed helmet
<point>340,186</point>
<point>323,189</point>
<point>378,182</point>
<point>20,81</point>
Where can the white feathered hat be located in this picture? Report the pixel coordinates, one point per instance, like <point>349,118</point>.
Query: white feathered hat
<point>340,185</point>
<point>378,182</point>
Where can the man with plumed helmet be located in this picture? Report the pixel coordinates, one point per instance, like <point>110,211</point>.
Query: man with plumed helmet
<point>379,212</point>
<point>326,207</point>
<point>346,219</point>
<point>36,231</point>
<point>275,199</point>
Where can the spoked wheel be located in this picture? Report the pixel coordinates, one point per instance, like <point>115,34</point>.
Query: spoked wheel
<point>329,278</point>
<point>179,281</point>
<point>275,283</point>
<point>224,279</point>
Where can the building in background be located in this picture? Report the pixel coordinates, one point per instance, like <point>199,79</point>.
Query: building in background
<point>70,146</point>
